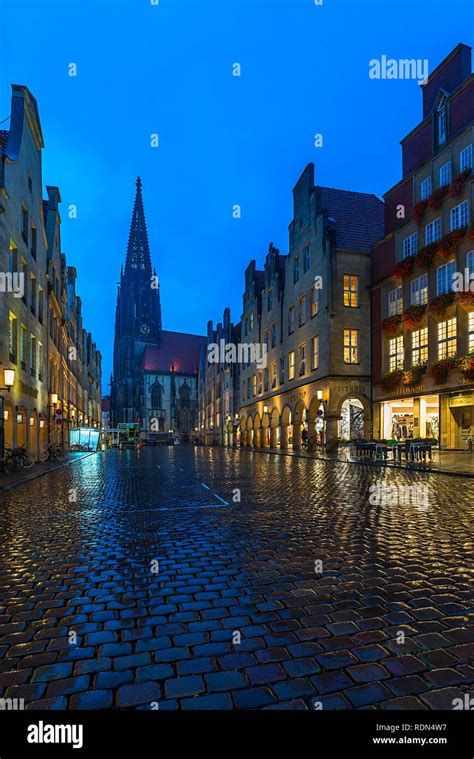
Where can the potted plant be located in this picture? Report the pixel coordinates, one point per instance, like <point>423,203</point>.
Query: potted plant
<point>391,325</point>
<point>404,267</point>
<point>413,315</point>
<point>439,305</point>
<point>440,369</point>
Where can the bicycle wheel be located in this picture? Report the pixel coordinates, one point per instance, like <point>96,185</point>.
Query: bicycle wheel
<point>28,461</point>
<point>13,463</point>
<point>44,455</point>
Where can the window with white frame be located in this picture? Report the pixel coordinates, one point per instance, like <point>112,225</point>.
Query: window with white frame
<point>296,269</point>
<point>291,365</point>
<point>442,127</point>
<point>395,352</point>
<point>351,346</point>
<point>395,301</point>
<point>419,346</point>
<point>470,263</point>
<point>433,231</point>
<point>445,174</point>
<point>465,158</point>
<point>447,343</point>
<point>251,321</point>
<point>419,291</point>
<point>444,277</point>
<point>254,384</point>
<point>470,332</point>
<point>315,352</point>
<point>410,245</point>
<point>459,215</point>
<point>306,258</point>
<point>425,188</point>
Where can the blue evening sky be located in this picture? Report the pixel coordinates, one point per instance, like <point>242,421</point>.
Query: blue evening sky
<point>224,140</point>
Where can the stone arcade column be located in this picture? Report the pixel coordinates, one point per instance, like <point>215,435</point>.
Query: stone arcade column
<point>273,437</point>
<point>297,437</point>
<point>284,437</point>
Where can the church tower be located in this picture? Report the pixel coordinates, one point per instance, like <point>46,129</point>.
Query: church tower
<point>137,319</point>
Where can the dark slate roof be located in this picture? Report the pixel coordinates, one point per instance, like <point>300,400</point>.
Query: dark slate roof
<point>178,349</point>
<point>4,135</point>
<point>357,217</point>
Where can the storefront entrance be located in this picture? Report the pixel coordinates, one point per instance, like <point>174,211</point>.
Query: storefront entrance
<point>464,425</point>
<point>407,418</point>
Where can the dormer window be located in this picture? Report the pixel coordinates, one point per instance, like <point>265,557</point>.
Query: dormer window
<point>442,124</point>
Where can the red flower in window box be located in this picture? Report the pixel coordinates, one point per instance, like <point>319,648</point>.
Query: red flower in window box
<point>465,299</point>
<point>440,369</point>
<point>466,365</point>
<point>404,267</point>
<point>391,326</point>
<point>413,375</point>
<point>470,233</point>
<point>426,255</point>
<point>448,245</point>
<point>419,209</point>
<point>457,185</point>
<point>391,380</point>
<point>435,200</point>
<point>413,315</point>
<point>439,305</point>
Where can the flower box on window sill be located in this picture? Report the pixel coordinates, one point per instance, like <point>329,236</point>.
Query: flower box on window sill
<point>448,244</point>
<point>457,185</point>
<point>436,198</point>
<point>440,305</point>
<point>404,267</point>
<point>413,315</point>
<point>392,325</point>
<point>440,369</point>
<point>465,299</point>
<point>426,255</point>
<point>419,209</point>
<point>391,380</point>
<point>466,365</point>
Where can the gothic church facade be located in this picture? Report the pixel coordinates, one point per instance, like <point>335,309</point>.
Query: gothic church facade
<point>154,380</point>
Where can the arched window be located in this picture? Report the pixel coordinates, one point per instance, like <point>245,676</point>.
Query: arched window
<point>156,395</point>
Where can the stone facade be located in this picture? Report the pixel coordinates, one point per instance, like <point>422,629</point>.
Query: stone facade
<point>37,330</point>
<point>311,308</point>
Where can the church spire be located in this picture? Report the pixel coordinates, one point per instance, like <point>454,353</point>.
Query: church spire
<point>138,250</point>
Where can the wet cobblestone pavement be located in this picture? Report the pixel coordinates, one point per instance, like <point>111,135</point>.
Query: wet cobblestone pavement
<point>86,621</point>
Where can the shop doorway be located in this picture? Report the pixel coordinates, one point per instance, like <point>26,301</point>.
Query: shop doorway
<point>464,419</point>
<point>351,424</point>
<point>408,418</point>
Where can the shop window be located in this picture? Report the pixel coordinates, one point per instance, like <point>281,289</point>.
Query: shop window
<point>447,343</point>
<point>351,346</point>
<point>351,290</point>
<point>395,350</point>
<point>419,344</point>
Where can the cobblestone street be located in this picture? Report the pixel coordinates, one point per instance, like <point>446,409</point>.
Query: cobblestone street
<point>330,638</point>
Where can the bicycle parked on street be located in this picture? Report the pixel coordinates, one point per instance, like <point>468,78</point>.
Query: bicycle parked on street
<point>15,459</point>
<point>54,453</point>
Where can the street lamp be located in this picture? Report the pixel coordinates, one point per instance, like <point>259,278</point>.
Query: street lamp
<point>265,409</point>
<point>320,395</point>
<point>9,378</point>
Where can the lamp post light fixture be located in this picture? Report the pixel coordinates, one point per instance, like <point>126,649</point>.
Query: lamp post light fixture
<point>265,409</point>
<point>320,394</point>
<point>8,378</point>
